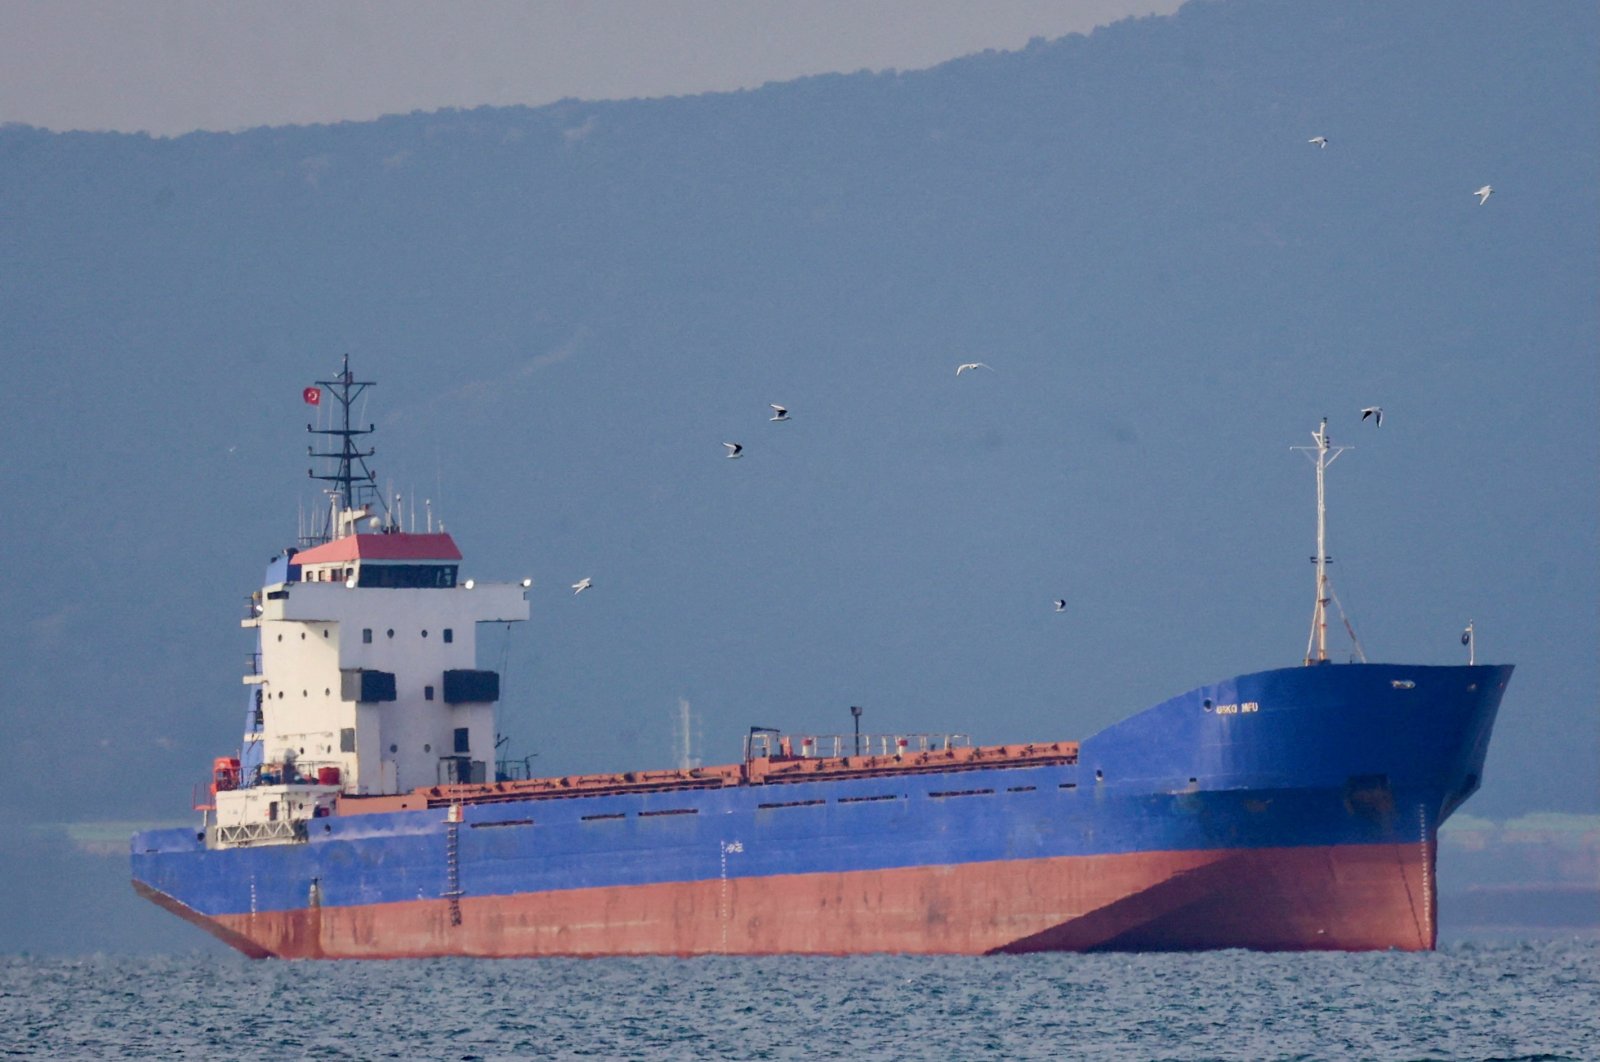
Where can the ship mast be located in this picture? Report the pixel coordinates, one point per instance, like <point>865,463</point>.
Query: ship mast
<point>355,485</point>
<point>1324,453</point>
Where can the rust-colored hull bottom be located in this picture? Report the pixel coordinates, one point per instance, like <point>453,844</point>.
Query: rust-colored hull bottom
<point>1345,897</point>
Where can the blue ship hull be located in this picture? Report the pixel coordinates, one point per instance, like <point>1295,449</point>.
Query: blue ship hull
<point>1294,808</point>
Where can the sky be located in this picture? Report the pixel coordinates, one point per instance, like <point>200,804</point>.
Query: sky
<point>169,67</point>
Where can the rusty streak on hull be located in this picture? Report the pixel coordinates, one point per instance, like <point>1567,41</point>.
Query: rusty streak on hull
<point>1342,897</point>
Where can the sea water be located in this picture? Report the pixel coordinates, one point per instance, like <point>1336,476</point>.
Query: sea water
<point>1466,1001</point>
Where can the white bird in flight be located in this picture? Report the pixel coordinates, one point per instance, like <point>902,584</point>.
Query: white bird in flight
<point>581,585</point>
<point>734,450</point>
<point>1484,193</point>
<point>1061,604</point>
<point>972,365</point>
<point>1376,413</point>
<point>779,412</point>
<point>1320,141</point>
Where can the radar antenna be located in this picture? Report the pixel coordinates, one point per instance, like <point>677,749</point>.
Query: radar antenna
<point>1323,454</point>
<point>354,484</point>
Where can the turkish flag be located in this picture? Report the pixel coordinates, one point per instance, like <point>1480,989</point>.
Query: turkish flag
<point>312,395</point>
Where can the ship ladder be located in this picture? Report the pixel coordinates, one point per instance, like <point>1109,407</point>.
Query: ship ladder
<point>452,857</point>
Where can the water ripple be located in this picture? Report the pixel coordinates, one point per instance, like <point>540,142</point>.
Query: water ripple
<point>1537,1001</point>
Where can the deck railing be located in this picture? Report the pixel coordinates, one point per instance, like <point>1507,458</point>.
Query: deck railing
<point>770,744</point>
<point>281,831</point>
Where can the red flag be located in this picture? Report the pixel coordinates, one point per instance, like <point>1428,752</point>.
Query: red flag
<point>312,395</point>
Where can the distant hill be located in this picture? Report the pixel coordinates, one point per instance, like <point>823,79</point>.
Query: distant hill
<point>570,308</point>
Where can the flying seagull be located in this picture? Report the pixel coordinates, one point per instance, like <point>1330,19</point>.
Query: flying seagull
<point>972,365</point>
<point>1320,141</point>
<point>779,412</point>
<point>734,450</point>
<point>1061,604</point>
<point>1376,413</point>
<point>581,585</point>
<point>1484,193</point>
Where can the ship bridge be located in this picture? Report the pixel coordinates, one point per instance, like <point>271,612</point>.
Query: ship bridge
<point>367,665</point>
<point>395,560</point>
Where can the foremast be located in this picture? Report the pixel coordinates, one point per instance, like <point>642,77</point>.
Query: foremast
<point>1323,453</point>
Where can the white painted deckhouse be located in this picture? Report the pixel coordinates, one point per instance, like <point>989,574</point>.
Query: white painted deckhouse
<point>364,681</point>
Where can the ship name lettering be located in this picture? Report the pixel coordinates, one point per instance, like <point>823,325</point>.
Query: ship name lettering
<point>1244,708</point>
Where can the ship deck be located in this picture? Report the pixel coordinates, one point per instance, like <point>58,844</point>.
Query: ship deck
<point>762,770</point>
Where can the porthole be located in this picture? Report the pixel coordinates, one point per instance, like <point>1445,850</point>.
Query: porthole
<point>305,693</point>
<point>1099,776</point>
<point>1207,704</point>
<point>280,637</point>
<point>302,636</point>
<point>427,748</point>
<point>326,692</point>
<point>424,634</point>
<point>324,634</point>
<point>394,748</point>
<point>390,632</point>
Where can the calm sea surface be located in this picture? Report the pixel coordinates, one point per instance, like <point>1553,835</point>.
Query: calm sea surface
<point>1518,1001</point>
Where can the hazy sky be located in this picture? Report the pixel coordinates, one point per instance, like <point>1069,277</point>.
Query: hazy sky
<point>173,66</point>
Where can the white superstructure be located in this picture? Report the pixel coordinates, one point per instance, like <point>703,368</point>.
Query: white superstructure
<point>365,680</point>
<point>377,679</point>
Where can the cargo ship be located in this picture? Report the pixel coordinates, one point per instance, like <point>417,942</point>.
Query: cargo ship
<point>365,815</point>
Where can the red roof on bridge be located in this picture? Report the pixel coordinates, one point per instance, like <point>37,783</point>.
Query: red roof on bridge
<point>396,546</point>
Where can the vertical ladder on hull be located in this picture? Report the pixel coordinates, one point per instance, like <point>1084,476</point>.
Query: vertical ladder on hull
<point>452,858</point>
<point>1430,885</point>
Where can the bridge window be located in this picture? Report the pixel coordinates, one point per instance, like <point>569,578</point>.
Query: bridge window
<point>407,576</point>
